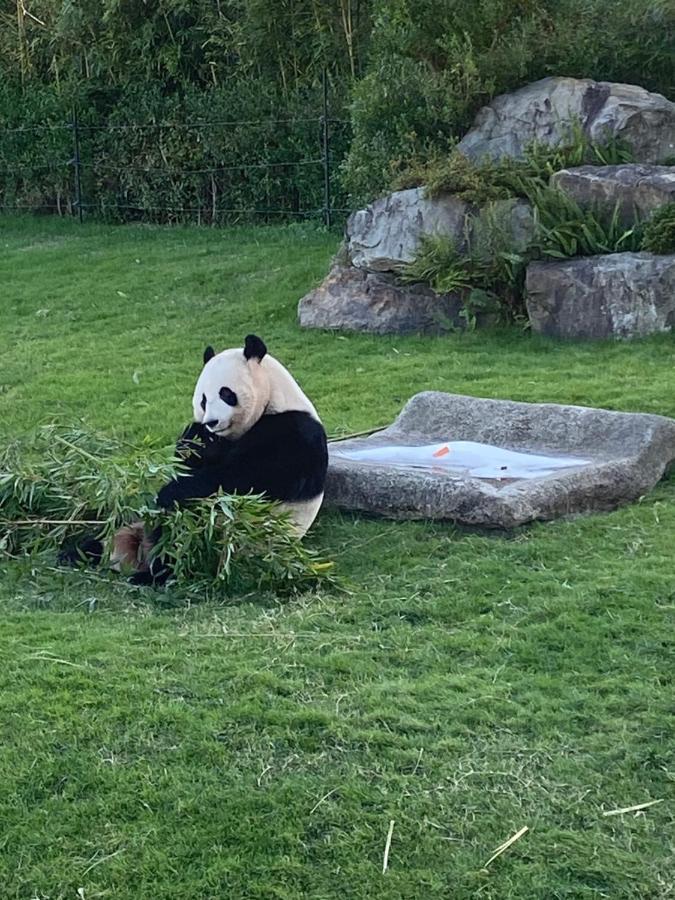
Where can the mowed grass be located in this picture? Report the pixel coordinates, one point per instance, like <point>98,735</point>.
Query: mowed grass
<point>469,685</point>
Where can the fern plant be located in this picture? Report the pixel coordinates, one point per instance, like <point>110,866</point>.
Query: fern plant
<point>486,284</point>
<point>576,149</point>
<point>563,229</point>
<point>488,180</point>
<point>439,264</point>
<point>659,232</point>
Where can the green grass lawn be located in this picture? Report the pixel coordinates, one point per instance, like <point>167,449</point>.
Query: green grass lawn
<point>471,684</point>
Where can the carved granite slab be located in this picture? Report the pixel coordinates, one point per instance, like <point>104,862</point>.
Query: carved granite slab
<point>444,458</point>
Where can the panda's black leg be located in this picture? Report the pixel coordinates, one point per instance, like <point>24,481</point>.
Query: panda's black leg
<point>156,576</point>
<point>142,578</point>
<point>87,550</point>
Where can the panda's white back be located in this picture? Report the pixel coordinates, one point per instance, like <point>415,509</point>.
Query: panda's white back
<point>286,394</point>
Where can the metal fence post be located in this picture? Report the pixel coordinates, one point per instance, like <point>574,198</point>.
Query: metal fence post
<point>76,163</point>
<point>326,153</point>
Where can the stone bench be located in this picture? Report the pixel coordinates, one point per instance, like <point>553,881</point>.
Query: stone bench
<point>599,461</point>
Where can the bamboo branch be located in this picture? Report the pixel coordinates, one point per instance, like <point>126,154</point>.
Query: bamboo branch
<point>85,453</point>
<point>333,439</point>
<point>18,522</point>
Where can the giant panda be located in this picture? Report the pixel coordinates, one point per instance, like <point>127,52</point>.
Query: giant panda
<point>253,431</point>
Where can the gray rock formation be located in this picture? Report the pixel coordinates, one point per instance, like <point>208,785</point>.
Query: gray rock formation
<point>352,299</point>
<point>543,112</point>
<point>626,454</point>
<point>621,295</point>
<point>637,189</point>
<point>361,293</point>
<point>387,233</point>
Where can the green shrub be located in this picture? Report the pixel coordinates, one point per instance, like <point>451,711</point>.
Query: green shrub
<point>489,273</point>
<point>489,180</point>
<point>413,73</point>
<point>36,147</point>
<point>659,231</point>
<point>133,169</point>
<point>488,283</point>
<point>455,174</point>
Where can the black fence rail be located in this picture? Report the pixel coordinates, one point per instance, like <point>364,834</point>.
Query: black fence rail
<point>216,172</point>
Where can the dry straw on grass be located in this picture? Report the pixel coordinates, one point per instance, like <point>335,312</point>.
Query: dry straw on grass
<point>387,847</point>
<point>505,846</point>
<point>627,809</point>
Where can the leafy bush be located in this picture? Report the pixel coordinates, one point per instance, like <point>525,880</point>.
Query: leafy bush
<point>482,182</point>
<point>489,273</point>
<point>36,147</point>
<point>489,284</point>
<point>455,174</point>
<point>659,231</point>
<point>260,161</point>
<point>412,72</point>
<point>61,482</point>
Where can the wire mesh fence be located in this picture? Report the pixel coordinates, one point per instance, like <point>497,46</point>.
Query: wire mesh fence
<point>276,168</point>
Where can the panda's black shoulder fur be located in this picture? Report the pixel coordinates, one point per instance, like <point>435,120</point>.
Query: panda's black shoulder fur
<point>283,456</point>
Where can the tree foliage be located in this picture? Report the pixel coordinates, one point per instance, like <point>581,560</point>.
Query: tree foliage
<point>111,44</point>
<point>411,74</point>
<point>130,66</point>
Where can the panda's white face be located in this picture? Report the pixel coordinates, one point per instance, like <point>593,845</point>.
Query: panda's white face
<point>231,393</point>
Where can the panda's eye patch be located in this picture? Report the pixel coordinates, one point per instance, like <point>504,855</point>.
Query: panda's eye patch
<point>203,403</point>
<point>228,396</point>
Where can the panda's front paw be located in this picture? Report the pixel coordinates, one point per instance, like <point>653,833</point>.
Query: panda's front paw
<point>141,578</point>
<point>168,495</point>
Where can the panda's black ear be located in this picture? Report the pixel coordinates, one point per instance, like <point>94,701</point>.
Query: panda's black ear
<point>254,348</point>
<point>209,353</point>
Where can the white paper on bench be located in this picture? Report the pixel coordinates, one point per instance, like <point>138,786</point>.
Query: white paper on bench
<point>465,457</point>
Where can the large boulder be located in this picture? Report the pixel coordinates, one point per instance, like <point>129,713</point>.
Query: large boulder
<point>638,190</point>
<point>544,111</point>
<point>386,234</point>
<point>621,295</point>
<point>352,299</point>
